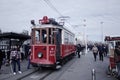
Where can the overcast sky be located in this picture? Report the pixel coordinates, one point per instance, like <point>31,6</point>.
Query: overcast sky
<point>15,15</point>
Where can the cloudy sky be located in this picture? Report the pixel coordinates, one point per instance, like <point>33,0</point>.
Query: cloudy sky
<point>15,15</point>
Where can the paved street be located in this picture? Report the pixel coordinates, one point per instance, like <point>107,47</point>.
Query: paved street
<point>80,69</point>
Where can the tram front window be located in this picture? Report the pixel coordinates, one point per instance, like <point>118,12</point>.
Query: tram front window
<point>37,36</point>
<point>44,36</point>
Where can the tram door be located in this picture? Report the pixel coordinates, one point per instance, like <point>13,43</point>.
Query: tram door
<point>58,43</point>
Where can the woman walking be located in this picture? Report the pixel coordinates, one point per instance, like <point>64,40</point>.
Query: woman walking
<point>95,52</point>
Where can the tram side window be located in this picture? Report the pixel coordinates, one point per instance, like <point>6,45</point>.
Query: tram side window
<point>53,36</point>
<point>37,35</point>
<point>66,38</point>
<point>44,36</point>
<point>50,36</point>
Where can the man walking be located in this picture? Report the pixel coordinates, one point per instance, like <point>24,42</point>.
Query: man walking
<point>78,50</point>
<point>100,49</point>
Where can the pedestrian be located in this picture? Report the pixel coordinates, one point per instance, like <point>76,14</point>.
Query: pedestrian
<point>8,57</point>
<point>100,49</point>
<point>104,50</point>
<point>95,52</point>
<point>4,57</point>
<point>1,58</point>
<point>117,59</point>
<point>15,57</point>
<point>78,50</point>
<point>29,53</point>
<point>22,53</point>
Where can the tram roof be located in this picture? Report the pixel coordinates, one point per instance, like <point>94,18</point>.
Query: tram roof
<point>52,26</point>
<point>12,35</point>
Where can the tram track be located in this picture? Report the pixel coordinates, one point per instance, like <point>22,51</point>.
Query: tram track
<point>65,69</point>
<point>27,75</point>
<point>44,74</point>
<point>57,74</point>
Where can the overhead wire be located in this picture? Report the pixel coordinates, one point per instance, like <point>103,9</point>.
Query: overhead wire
<point>56,10</point>
<point>51,5</point>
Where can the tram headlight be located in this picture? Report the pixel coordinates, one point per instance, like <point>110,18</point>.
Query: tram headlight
<point>40,55</point>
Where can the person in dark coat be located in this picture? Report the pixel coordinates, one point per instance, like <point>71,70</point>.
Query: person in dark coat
<point>8,55</point>
<point>28,66</point>
<point>1,58</point>
<point>117,59</point>
<point>78,50</point>
<point>100,49</point>
<point>105,50</point>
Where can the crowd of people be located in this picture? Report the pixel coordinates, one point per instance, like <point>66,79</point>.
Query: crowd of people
<point>101,50</point>
<point>97,49</point>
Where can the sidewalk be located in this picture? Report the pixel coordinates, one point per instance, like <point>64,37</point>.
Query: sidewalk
<point>82,69</point>
<point>6,73</point>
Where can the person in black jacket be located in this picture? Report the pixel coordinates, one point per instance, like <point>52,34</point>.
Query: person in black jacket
<point>100,50</point>
<point>117,59</point>
<point>28,66</point>
<point>1,58</point>
<point>78,50</point>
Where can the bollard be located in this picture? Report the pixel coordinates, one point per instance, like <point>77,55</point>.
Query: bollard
<point>93,74</point>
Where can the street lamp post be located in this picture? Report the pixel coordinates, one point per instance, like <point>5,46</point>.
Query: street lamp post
<point>85,36</point>
<point>102,31</point>
<point>79,34</point>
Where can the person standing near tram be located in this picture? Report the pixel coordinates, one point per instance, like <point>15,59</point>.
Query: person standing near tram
<point>15,57</point>
<point>29,53</point>
<point>117,59</point>
<point>78,50</point>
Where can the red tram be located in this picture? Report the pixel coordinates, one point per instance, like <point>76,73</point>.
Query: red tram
<point>51,43</point>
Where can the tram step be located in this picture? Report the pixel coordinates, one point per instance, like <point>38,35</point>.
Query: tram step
<point>58,66</point>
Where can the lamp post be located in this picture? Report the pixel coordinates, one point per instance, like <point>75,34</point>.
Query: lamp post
<point>79,34</point>
<point>85,35</point>
<point>102,31</point>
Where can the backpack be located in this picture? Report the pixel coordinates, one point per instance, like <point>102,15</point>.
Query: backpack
<point>14,55</point>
